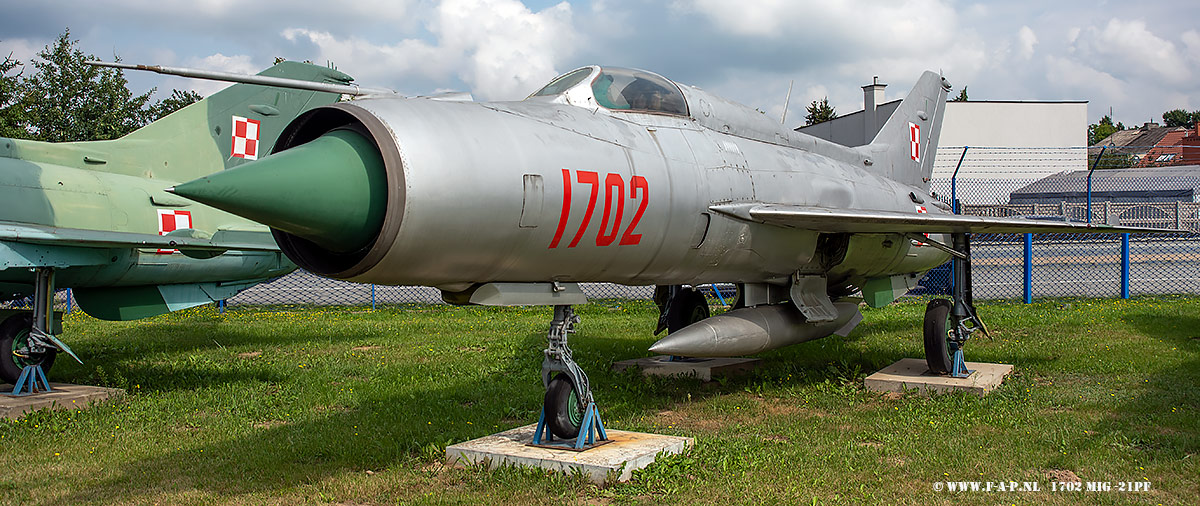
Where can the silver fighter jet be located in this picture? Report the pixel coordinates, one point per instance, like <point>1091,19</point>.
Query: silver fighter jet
<point>618,175</point>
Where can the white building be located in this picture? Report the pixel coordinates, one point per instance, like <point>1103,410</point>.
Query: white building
<point>1004,140</point>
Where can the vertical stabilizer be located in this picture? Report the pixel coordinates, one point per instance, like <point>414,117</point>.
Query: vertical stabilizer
<point>235,125</point>
<point>905,147</point>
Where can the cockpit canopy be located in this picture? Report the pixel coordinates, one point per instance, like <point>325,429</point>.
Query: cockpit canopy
<point>619,89</point>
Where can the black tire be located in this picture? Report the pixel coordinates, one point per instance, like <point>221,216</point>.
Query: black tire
<point>937,349</point>
<point>689,307</point>
<point>564,411</point>
<point>13,334</point>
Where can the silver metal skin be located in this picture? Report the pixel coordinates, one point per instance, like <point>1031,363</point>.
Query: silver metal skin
<point>752,330</point>
<point>461,211</point>
<point>674,186</point>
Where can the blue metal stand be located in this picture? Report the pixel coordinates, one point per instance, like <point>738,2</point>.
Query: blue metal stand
<point>591,432</point>
<point>959,369</point>
<point>34,375</point>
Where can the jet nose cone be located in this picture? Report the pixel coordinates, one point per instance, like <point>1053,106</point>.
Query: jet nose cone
<point>331,191</point>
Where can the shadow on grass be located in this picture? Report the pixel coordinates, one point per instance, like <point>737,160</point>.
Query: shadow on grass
<point>381,427</point>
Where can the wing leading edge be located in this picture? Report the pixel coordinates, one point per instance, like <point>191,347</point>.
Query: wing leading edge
<point>856,221</point>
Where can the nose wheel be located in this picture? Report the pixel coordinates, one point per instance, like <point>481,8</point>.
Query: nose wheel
<point>568,410</point>
<point>564,411</point>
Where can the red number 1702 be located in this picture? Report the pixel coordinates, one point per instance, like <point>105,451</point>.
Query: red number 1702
<point>614,200</point>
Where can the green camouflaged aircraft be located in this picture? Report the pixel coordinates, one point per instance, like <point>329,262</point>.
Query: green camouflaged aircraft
<point>93,216</point>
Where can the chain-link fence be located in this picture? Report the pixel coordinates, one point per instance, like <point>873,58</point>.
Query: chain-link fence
<point>1126,185</point>
<point>1041,183</point>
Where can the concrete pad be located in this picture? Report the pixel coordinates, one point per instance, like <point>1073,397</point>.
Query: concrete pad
<point>60,396</point>
<point>616,460</point>
<point>700,368</point>
<point>913,374</point>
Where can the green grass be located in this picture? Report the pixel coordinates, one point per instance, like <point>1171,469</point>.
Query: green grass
<point>351,406</point>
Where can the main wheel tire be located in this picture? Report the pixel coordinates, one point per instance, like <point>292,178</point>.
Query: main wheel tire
<point>937,336</point>
<point>14,335</point>
<point>688,307</point>
<point>564,411</point>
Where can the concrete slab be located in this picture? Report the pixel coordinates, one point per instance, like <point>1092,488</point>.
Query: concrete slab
<point>700,368</point>
<point>913,374</point>
<point>617,460</point>
<point>60,396</point>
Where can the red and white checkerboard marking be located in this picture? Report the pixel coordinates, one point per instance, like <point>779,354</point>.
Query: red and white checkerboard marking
<point>914,139</point>
<point>169,220</point>
<point>920,210</point>
<point>245,138</point>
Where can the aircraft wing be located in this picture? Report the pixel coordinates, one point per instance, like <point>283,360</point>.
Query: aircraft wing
<point>877,222</point>
<point>184,239</point>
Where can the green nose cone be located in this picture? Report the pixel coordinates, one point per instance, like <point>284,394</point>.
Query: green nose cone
<point>331,191</point>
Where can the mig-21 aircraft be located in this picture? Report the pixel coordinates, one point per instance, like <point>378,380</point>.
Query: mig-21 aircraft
<point>93,216</point>
<point>617,175</point>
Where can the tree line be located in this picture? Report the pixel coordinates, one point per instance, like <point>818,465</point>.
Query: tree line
<point>58,98</point>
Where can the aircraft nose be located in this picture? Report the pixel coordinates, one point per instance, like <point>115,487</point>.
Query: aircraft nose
<point>331,191</point>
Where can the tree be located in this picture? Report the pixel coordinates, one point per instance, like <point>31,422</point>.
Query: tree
<point>962,95</point>
<point>1101,130</point>
<point>12,105</point>
<point>178,100</point>
<point>1180,118</point>
<point>819,112</point>
<point>71,101</point>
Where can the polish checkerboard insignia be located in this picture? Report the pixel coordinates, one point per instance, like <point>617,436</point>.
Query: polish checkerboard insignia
<point>914,138</point>
<point>245,138</point>
<point>920,210</point>
<point>170,220</point>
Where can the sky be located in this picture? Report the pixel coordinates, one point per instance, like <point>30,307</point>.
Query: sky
<point>1137,59</point>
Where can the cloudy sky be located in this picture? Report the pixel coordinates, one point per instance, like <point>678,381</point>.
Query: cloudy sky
<point>1137,58</point>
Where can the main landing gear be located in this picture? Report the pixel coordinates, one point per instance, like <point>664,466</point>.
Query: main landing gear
<point>568,411</point>
<point>27,345</point>
<point>948,325</point>
<point>678,307</point>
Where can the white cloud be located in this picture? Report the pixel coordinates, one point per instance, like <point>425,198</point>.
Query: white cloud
<point>1026,40</point>
<point>21,49</point>
<point>238,63</point>
<point>1191,42</point>
<point>1128,48</point>
<point>509,50</point>
<point>500,48</point>
<point>893,27</point>
<point>370,63</point>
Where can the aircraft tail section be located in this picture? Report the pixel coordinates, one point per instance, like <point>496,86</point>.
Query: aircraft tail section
<point>905,147</point>
<point>235,125</point>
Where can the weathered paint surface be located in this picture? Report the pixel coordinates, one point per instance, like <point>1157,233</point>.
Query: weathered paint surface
<point>117,187</point>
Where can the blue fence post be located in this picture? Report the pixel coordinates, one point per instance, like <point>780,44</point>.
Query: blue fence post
<point>372,296</point>
<point>1028,268</point>
<point>1124,266</point>
<point>221,306</point>
<point>954,181</point>
<point>70,301</point>
<point>1089,182</point>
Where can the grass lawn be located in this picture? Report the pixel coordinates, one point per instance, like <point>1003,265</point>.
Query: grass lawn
<point>290,405</point>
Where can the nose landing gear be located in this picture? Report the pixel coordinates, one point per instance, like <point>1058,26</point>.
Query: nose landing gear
<point>568,410</point>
